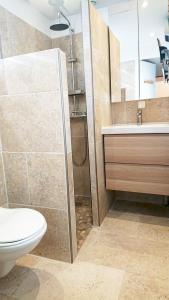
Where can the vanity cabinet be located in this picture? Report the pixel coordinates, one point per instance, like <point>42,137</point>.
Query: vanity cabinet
<point>137,163</point>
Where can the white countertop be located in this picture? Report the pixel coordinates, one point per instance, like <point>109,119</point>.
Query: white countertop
<point>136,129</point>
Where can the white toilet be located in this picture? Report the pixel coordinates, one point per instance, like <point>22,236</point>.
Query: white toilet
<point>21,229</point>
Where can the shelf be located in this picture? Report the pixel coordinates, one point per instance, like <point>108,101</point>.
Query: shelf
<point>76,93</point>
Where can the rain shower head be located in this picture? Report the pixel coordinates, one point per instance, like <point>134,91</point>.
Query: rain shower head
<point>59,26</point>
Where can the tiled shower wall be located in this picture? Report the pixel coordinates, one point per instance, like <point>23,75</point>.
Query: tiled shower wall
<point>97,80</point>
<point>17,37</point>
<point>3,194</point>
<point>36,147</point>
<point>78,126</point>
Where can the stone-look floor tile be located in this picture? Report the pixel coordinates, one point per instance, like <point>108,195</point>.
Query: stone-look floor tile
<point>88,281</point>
<point>123,227</point>
<point>135,245</point>
<point>16,177</point>
<point>55,280</point>
<point>101,254</point>
<point>47,180</point>
<point>149,265</point>
<point>153,232</point>
<point>139,264</point>
<point>31,123</point>
<point>144,288</point>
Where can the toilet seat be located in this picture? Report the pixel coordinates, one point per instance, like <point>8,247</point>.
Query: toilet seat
<point>19,224</point>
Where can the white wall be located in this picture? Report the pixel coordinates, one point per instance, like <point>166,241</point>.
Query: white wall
<point>153,20</point>
<point>75,21</point>
<point>32,16</point>
<point>147,80</point>
<point>122,19</point>
<point>162,89</point>
<point>124,25</point>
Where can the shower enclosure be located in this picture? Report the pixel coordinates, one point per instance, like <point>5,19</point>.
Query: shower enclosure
<point>73,47</point>
<point>23,39</point>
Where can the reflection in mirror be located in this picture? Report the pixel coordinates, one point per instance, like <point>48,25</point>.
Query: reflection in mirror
<point>141,27</point>
<point>154,45</point>
<point>123,24</point>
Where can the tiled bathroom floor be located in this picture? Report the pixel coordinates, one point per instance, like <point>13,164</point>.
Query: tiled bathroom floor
<point>83,222</point>
<point>126,258</point>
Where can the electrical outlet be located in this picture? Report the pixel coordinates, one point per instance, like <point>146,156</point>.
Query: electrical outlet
<point>141,104</point>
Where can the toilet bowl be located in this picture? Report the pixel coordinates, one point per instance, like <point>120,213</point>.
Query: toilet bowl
<point>21,230</point>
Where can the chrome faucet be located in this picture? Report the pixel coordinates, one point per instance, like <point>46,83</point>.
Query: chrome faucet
<point>139,117</point>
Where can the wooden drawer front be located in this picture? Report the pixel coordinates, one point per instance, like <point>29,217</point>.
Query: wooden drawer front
<point>138,178</point>
<point>139,149</point>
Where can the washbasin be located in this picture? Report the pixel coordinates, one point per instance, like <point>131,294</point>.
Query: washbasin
<point>136,129</point>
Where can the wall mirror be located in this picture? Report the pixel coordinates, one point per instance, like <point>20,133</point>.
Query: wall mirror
<point>139,29</point>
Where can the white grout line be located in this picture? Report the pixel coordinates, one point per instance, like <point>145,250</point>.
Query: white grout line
<point>28,93</point>
<point>4,176</point>
<point>36,206</point>
<point>31,152</point>
<point>28,182</point>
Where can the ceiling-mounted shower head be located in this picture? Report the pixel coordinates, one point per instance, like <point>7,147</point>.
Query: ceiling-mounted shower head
<point>94,2</point>
<point>59,26</point>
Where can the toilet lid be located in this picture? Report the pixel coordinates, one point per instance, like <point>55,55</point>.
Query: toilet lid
<point>19,223</point>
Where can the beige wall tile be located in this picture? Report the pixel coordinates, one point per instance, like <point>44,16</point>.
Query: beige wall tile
<point>71,199</point>
<point>124,112</point>
<point>115,67</point>
<point>56,242</point>
<point>3,196</point>
<point>3,90</point>
<point>15,165</point>
<point>18,37</point>
<point>64,44</point>
<point>31,122</point>
<point>78,127</point>
<point>156,110</point>
<point>47,180</point>
<point>82,181</point>
<point>34,72</point>
<point>22,38</point>
<point>33,117</point>
<point>81,172</point>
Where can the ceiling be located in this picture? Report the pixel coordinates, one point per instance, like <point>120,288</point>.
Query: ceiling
<point>49,7</point>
